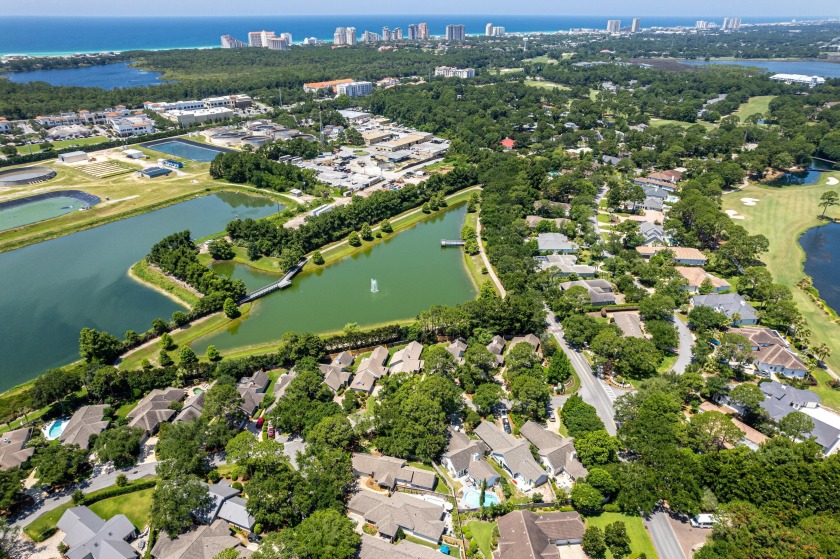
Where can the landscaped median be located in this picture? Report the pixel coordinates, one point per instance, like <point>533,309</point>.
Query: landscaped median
<point>134,500</point>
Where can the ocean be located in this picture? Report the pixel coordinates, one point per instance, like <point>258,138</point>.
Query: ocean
<point>59,35</point>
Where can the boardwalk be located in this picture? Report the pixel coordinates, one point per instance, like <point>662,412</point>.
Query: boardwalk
<point>282,283</point>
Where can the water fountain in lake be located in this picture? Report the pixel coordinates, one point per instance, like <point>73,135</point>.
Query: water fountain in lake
<point>374,287</point>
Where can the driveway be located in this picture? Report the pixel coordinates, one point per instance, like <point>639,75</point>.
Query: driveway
<point>686,343</point>
<point>664,540</point>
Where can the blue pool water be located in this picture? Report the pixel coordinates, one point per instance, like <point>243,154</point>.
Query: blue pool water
<point>472,497</point>
<point>56,428</point>
<point>187,151</point>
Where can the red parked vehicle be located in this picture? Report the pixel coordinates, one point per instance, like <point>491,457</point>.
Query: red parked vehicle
<point>260,422</point>
<point>270,431</point>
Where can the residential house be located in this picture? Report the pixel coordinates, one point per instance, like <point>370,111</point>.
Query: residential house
<point>730,304</point>
<point>650,182</point>
<point>771,353</point>
<point>227,505</point>
<point>377,548</point>
<point>782,399</point>
<point>497,348</point>
<point>513,454</point>
<point>464,457</point>
<point>565,264</point>
<point>555,243</point>
<point>407,359</point>
<point>13,451</point>
<point>529,339</point>
<point>557,454</point>
<point>652,203</point>
<point>653,234</point>
<point>85,422</point>
<point>335,376</point>
<point>630,324</point>
<point>457,349</point>
<point>673,176</point>
<point>370,369</point>
<point>252,389</point>
<point>193,406</point>
<point>600,291</point>
<point>682,255</point>
<point>752,438</point>
<point>534,220</point>
<point>399,511</point>
<point>610,160</point>
<point>201,542</point>
<point>89,537</point>
<point>344,359</point>
<point>154,409</point>
<point>526,535</point>
<point>389,472</point>
<point>656,192</point>
<point>696,276</point>
<point>283,383</point>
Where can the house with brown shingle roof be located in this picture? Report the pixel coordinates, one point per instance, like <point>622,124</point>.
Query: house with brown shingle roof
<point>771,352</point>
<point>465,457</point>
<point>13,451</point>
<point>696,276</point>
<point>686,256</point>
<point>514,455</point>
<point>155,409</point>
<point>526,535</point>
<point>400,511</point>
<point>201,542</point>
<point>557,454</point>
<point>86,422</point>
<point>390,472</point>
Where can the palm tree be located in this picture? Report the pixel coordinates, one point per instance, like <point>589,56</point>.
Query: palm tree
<point>822,351</point>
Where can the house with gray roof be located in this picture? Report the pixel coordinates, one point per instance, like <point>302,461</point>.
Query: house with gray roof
<point>771,353</point>
<point>155,409</point>
<point>653,234</point>
<point>226,504</point>
<point>529,339</point>
<point>399,511</point>
<point>377,548</point>
<point>86,422</point>
<point>652,203</point>
<point>344,359</point>
<point>389,472</point>
<point>370,369</point>
<point>457,349</point>
<point>335,376</point>
<point>407,359</point>
<point>193,406</point>
<point>610,160</point>
<point>497,348</point>
<point>600,291</point>
<point>201,542</point>
<point>729,304</point>
<point>89,537</point>
<point>283,383</point>
<point>565,265</point>
<point>555,243</point>
<point>252,389</point>
<point>13,451</point>
<point>782,399</point>
<point>557,454</point>
<point>513,454</point>
<point>464,457</point>
<point>526,535</point>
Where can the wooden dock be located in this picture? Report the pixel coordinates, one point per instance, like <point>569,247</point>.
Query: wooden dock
<point>282,283</point>
<point>448,243</point>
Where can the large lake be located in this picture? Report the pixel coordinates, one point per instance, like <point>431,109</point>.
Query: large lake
<point>108,76</point>
<point>807,67</point>
<point>53,289</point>
<point>413,273</point>
<point>822,261</point>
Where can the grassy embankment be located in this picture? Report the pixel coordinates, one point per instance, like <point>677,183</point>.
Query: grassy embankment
<point>332,254</point>
<point>122,196</point>
<point>782,215</point>
<point>640,541</point>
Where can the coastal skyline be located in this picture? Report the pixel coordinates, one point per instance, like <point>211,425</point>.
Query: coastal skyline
<point>193,8</point>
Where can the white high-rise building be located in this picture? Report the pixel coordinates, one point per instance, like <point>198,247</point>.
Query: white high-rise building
<point>259,38</point>
<point>498,31</point>
<point>413,35</point>
<point>350,36</point>
<point>451,72</point>
<point>277,43</point>
<point>636,26</point>
<point>423,32</point>
<point>455,33</point>
<point>488,30</point>
<point>354,89</point>
<point>310,41</point>
<point>386,34</point>
<point>614,25</point>
<point>397,34</point>
<point>229,42</point>
<point>370,37</point>
<point>288,37</point>
<point>725,24</point>
<point>340,36</point>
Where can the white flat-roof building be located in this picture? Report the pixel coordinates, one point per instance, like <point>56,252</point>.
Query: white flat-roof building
<point>354,89</point>
<point>199,116</point>
<point>451,72</point>
<point>798,79</point>
<point>132,125</point>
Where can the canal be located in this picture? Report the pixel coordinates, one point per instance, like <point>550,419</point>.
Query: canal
<point>822,261</point>
<point>411,270</point>
<point>53,289</point>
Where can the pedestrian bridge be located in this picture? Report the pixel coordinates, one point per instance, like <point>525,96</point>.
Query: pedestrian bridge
<point>282,283</point>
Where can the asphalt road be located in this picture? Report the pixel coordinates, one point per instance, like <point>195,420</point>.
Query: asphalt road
<point>664,539</point>
<point>592,390</point>
<point>686,343</point>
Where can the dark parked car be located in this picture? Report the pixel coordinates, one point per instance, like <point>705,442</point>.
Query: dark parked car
<point>506,425</point>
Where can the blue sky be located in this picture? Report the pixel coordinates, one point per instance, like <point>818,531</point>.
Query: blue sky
<point>742,8</point>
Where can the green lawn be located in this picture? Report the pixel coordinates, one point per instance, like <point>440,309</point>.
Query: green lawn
<point>61,144</point>
<point>482,533</point>
<point>136,506</point>
<point>760,104</point>
<point>543,59</point>
<point>639,539</point>
<point>781,215</point>
<point>454,550</point>
<point>546,84</point>
<point>664,122</point>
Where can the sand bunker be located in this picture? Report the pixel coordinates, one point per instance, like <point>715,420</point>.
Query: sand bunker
<point>734,215</point>
<point>749,201</point>
<point>833,181</point>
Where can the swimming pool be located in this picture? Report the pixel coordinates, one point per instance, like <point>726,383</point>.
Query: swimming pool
<point>54,429</point>
<point>198,391</point>
<point>471,498</point>
<point>187,150</point>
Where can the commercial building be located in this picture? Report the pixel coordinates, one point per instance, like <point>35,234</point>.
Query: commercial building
<point>614,25</point>
<point>423,32</point>
<point>237,101</point>
<point>230,42</point>
<point>315,87</point>
<point>277,43</point>
<point>370,37</point>
<point>344,36</point>
<point>798,79</point>
<point>413,32</point>
<point>260,38</point>
<point>73,157</point>
<point>451,72</point>
<point>354,89</point>
<point>200,116</point>
<point>455,33</point>
<point>636,26</point>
